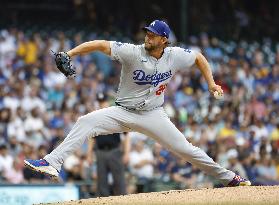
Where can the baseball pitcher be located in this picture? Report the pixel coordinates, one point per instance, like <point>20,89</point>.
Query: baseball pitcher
<point>146,72</point>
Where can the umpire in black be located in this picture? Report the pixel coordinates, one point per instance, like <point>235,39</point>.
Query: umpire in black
<point>112,154</point>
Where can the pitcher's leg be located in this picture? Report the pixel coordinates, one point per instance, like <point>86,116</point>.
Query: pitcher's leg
<point>158,126</point>
<point>102,121</point>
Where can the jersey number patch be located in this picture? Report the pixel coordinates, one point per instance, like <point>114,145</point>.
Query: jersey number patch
<point>161,89</point>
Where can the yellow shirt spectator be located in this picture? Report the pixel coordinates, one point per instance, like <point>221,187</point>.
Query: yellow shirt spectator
<point>275,133</point>
<point>227,131</point>
<point>31,52</point>
<point>21,50</point>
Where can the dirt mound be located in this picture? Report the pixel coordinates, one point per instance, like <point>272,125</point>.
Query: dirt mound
<point>229,195</point>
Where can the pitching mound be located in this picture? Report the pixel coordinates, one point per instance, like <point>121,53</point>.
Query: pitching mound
<point>229,196</point>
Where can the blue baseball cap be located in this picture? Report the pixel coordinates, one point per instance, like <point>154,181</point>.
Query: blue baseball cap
<point>158,27</point>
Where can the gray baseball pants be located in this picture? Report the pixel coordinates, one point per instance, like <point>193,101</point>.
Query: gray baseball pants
<point>154,123</point>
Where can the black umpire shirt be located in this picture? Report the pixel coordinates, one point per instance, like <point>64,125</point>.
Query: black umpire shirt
<point>108,142</point>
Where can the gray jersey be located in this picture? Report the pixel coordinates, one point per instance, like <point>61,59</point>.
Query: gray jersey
<point>144,78</point>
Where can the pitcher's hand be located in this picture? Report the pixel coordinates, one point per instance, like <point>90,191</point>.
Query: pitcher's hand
<point>217,88</point>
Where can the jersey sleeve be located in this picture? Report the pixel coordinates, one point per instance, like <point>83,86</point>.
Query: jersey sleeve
<point>122,52</point>
<point>183,58</point>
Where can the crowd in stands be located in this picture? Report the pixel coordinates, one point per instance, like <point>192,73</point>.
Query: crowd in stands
<point>38,107</point>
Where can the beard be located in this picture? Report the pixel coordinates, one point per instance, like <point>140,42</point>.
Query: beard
<point>149,47</point>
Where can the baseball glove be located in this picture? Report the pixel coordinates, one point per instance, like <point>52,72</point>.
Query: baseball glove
<point>63,63</point>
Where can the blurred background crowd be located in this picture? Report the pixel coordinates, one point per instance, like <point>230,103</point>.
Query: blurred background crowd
<point>38,105</point>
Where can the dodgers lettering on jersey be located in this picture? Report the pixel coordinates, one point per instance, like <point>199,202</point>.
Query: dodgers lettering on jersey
<point>144,78</point>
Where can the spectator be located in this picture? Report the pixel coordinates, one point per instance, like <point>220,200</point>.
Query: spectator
<point>275,133</point>
<point>16,126</point>
<point>227,131</point>
<point>6,160</point>
<point>184,175</point>
<point>15,174</point>
<point>164,162</point>
<point>214,52</point>
<point>32,99</point>
<point>34,128</point>
<point>5,117</point>
<point>267,174</point>
<point>234,163</point>
<point>142,166</point>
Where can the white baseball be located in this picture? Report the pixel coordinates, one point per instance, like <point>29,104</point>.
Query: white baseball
<point>217,95</point>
